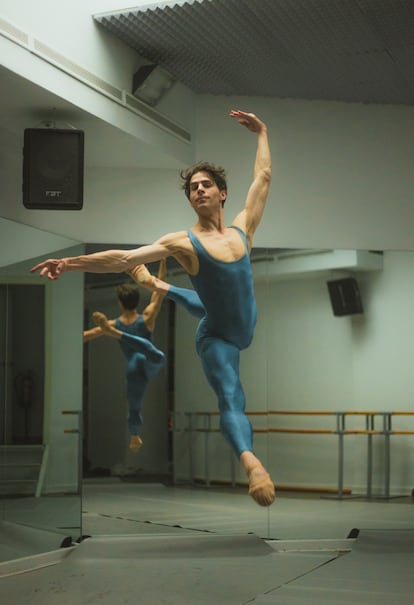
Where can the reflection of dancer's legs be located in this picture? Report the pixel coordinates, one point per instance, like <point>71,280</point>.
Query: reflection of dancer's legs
<point>144,362</point>
<point>136,384</point>
<point>153,357</point>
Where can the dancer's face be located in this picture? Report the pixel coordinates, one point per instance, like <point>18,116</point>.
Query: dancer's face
<point>204,193</point>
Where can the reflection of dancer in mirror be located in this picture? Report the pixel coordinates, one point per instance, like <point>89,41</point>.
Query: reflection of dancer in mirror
<point>134,332</point>
<point>217,260</point>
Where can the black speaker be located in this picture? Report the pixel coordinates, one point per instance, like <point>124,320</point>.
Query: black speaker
<point>345,296</point>
<point>53,168</point>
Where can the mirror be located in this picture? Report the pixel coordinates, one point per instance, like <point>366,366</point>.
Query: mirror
<point>107,439</point>
<point>40,405</point>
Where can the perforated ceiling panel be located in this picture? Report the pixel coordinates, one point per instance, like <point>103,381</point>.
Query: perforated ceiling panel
<point>350,50</point>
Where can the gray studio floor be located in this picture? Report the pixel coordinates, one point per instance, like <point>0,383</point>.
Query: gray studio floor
<point>153,544</point>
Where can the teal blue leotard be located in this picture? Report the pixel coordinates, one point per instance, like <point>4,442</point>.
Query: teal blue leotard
<point>144,362</point>
<point>227,308</point>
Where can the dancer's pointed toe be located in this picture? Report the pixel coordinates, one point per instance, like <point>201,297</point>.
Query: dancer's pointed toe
<point>261,486</point>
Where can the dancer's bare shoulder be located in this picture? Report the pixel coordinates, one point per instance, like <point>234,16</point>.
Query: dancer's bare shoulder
<point>179,246</point>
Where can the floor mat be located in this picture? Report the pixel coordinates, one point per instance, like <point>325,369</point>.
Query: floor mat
<point>379,571</point>
<point>162,571</point>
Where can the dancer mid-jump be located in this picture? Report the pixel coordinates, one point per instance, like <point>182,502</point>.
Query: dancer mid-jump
<point>134,333</point>
<point>216,257</point>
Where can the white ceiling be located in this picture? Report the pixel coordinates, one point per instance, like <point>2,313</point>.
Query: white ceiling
<point>345,50</point>
<point>348,50</point>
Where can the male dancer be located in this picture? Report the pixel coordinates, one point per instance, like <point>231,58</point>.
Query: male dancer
<point>134,333</point>
<point>217,260</point>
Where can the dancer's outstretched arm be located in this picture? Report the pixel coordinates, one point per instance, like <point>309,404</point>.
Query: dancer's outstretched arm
<point>176,244</point>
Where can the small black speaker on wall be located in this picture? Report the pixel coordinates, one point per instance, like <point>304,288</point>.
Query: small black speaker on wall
<point>53,168</point>
<point>345,296</point>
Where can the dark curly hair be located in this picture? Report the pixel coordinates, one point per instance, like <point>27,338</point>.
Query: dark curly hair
<point>128,296</point>
<point>217,173</point>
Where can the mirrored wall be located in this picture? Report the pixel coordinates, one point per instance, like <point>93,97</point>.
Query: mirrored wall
<point>40,400</point>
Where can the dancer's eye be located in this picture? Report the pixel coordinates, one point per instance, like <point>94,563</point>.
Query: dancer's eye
<point>205,184</point>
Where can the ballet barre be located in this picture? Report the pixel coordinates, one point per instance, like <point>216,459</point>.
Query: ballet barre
<point>370,431</point>
<point>340,429</point>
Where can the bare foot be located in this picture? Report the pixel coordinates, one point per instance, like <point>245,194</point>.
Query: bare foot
<point>135,443</point>
<point>261,487</point>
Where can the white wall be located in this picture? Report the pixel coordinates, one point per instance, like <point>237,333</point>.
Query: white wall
<point>342,172</point>
<point>342,176</point>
